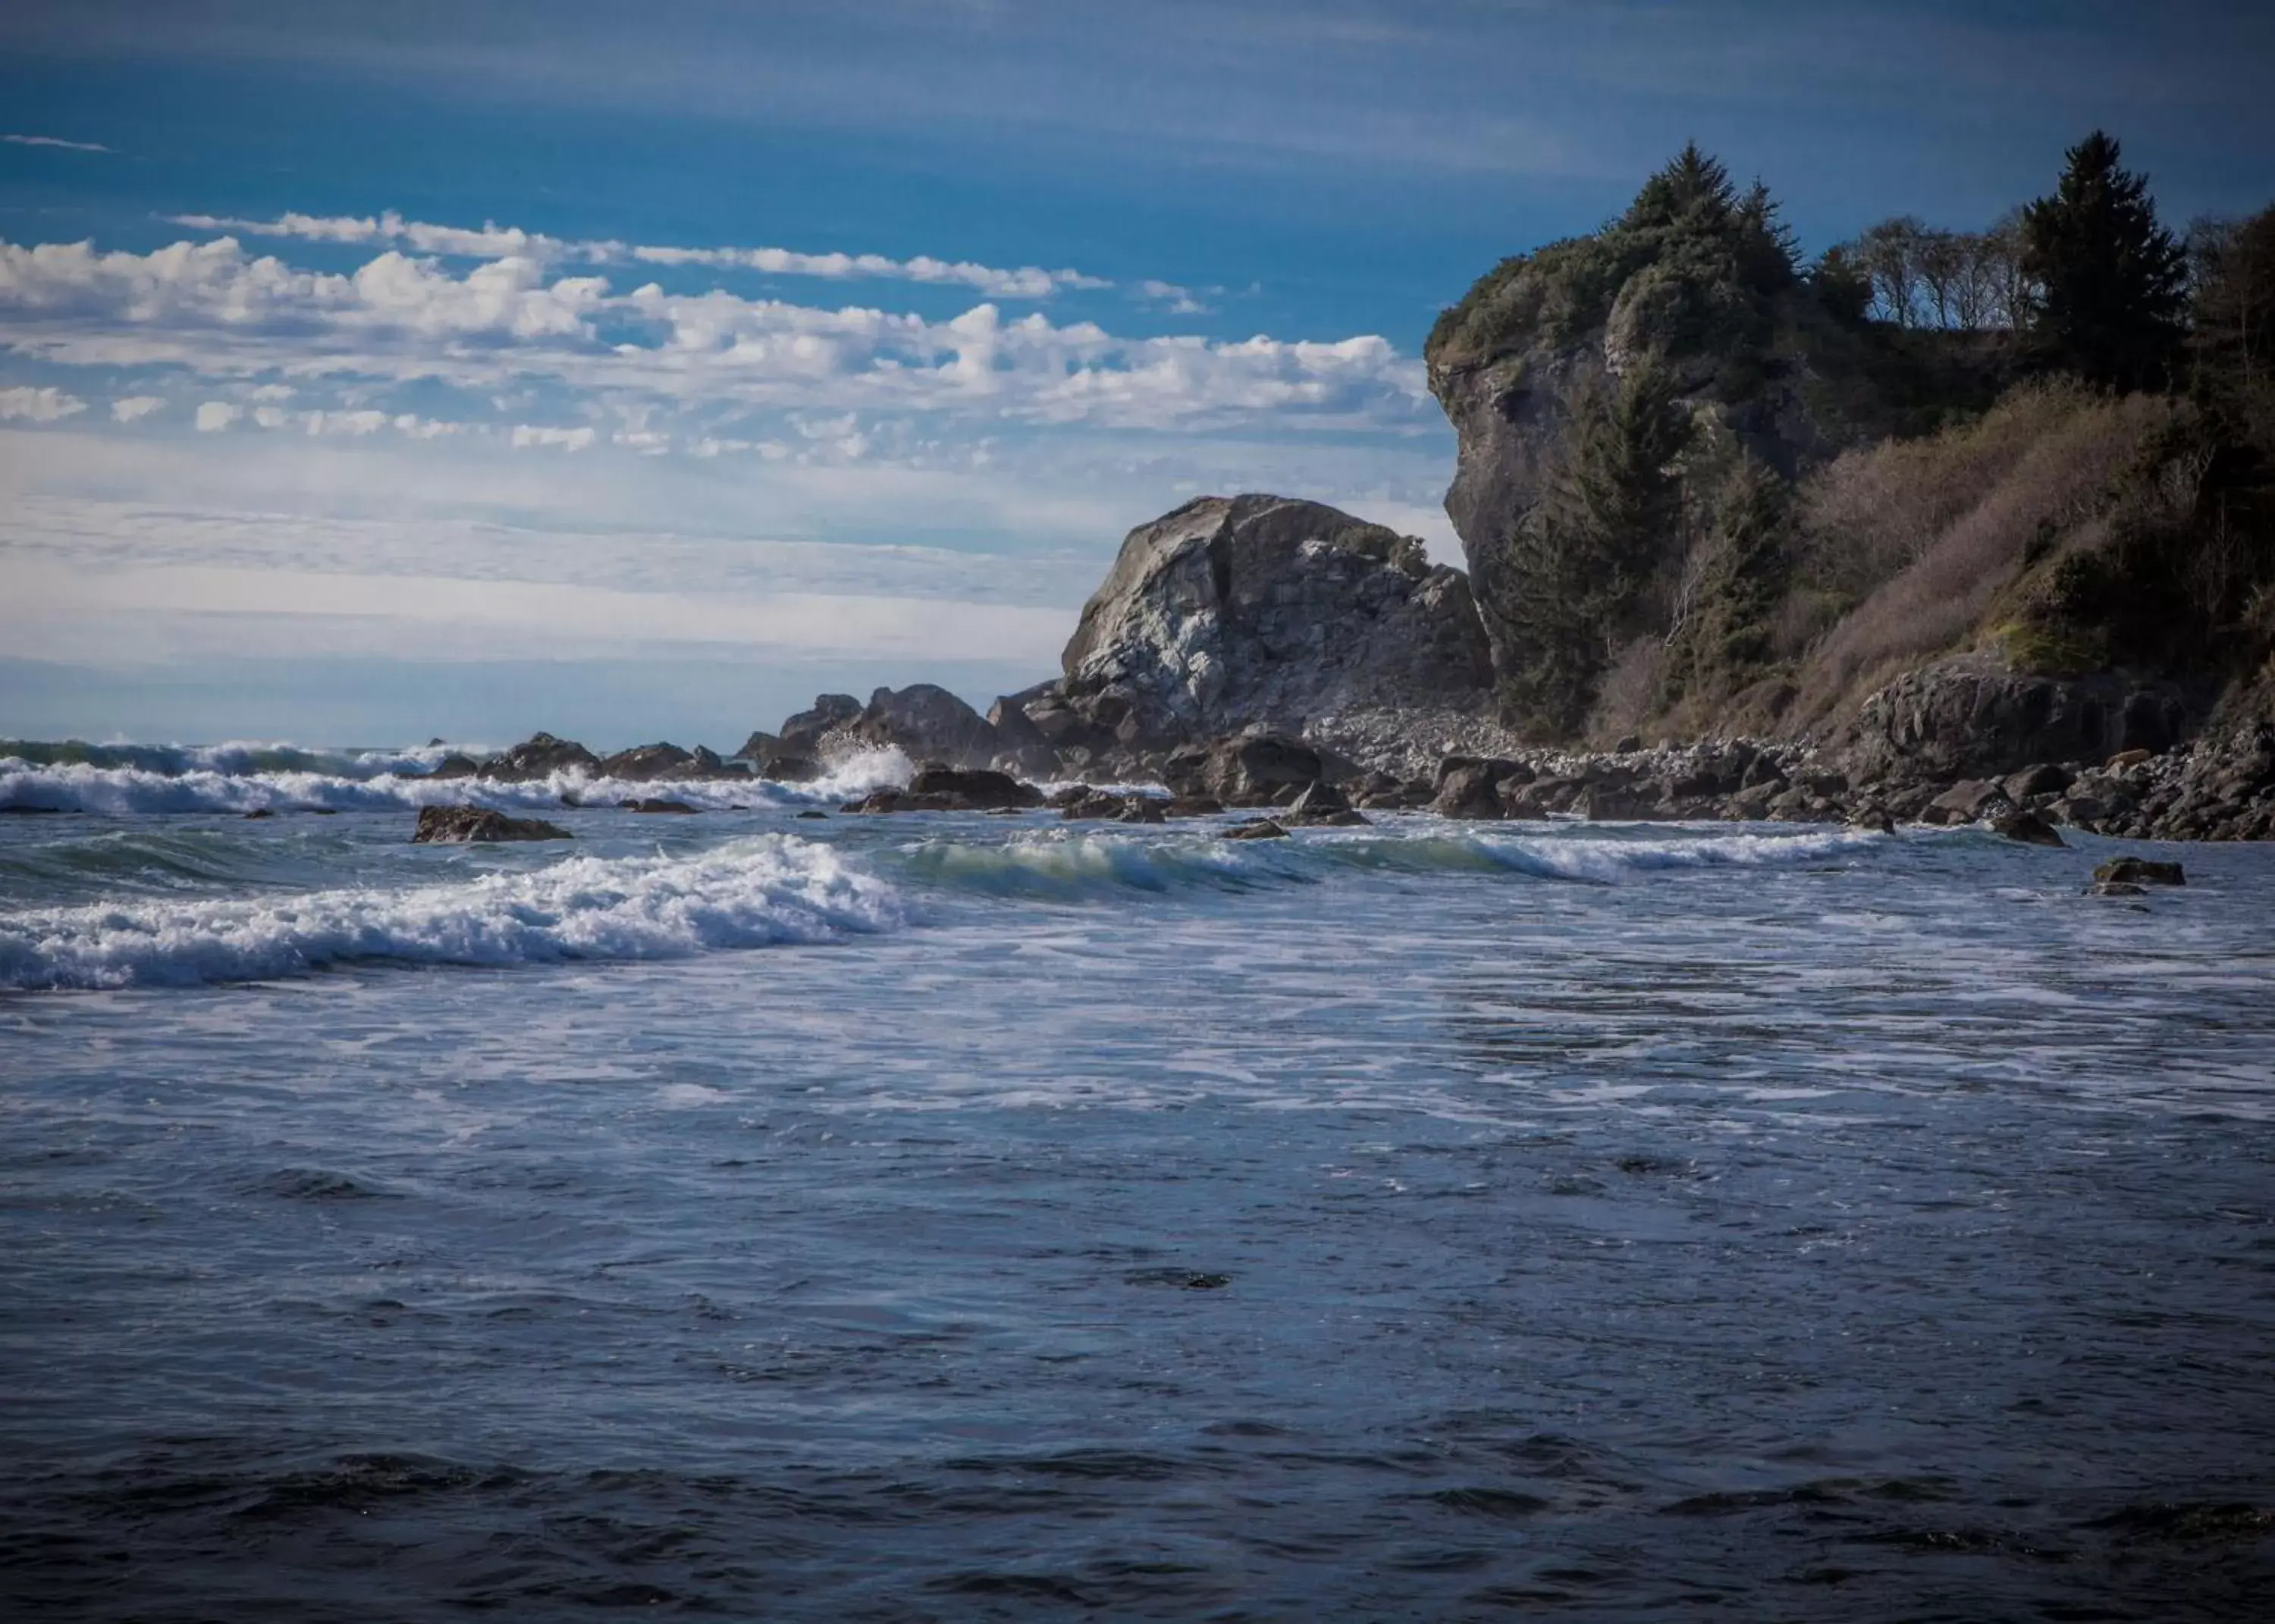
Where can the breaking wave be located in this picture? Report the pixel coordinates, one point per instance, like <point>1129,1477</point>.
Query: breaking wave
<point>122,780</point>
<point>1069,865</point>
<point>750,893</point>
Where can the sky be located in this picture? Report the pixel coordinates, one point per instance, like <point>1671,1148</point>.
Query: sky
<point>375,372</point>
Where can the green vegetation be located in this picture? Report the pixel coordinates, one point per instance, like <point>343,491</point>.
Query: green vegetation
<point>2051,442</point>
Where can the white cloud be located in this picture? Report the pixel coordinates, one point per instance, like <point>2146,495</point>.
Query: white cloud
<point>271,417</point>
<point>134,406</point>
<point>502,325</point>
<point>492,241</point>
<point>215,415</point>
<point>53,140</point>
<point>1180,300</point>
<point>568,439</point>
<point>44,405</point>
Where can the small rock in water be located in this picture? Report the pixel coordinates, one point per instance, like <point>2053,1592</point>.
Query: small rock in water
<point>259,812</point>
<point>657,806</point>
<point>810,812</point>
<point>2140,872</point>
<point>1262,828</point>
<point>2115,887</point>
<point>458,825</point>
<point>2029,829</point>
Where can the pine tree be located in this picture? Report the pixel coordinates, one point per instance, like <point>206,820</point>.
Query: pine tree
<point>1582,560</point>
<point>2111,281</point>
<point>1692,190</point>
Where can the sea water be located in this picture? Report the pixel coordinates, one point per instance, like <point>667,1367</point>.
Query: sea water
<point>747,1215</point>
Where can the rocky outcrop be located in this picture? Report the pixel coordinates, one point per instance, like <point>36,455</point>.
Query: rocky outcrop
<point>460,825</point>
<point>539,756</point>
<point>665,763</point>
<point>936,788</point>
<point>926,722</point>
<point>1972,718</point>
<point>1257,611</point>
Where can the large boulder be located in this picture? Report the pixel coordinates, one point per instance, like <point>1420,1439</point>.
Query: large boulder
<point>540,756</point>
<point>1259,769</point>
<point>1259,611</point>
<point>937,788</point>
<point>1021,747</point>
<point>926,723</point>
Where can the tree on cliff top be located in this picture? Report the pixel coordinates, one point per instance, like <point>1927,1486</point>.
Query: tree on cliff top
<point>2112,281</point>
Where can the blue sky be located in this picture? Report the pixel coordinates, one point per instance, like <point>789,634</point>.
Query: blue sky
<point>374,371</point>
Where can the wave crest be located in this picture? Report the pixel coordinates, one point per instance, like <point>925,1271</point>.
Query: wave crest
<point>750,893</point>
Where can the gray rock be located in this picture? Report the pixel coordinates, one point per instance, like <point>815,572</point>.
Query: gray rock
<point>1259,611</point>
<point>1260,828</point>
<point>802,733</point>
<point>1259,769</point>
<point>1020,745</point>
<point>456,765</point>
<point>926,723</point>
<point>937,788</point>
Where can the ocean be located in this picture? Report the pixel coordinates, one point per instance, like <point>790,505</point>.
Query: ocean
<point>745,1215</point>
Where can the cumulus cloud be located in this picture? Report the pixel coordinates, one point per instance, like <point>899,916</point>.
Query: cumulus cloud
<point>133,407</point>
<point>215,415</point>
<point>216,309</point>
<point>39,405</point>
<point>492,241</point>
<point>53,140</point>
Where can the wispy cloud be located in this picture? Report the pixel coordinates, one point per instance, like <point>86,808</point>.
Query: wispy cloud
<point>53,140</point>
<point>492,241</point>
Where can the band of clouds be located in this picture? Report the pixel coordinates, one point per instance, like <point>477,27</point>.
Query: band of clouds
<point>219,311</point>
<point>491,241</point>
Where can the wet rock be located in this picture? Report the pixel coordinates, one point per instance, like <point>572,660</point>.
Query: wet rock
<point>2043,778</point>
<point>540,756</point>
<point>801,734</point>
<point>1260,828</point>
<point>2140,871</point>
<point>1872,818</point>
<point>789,769</point>
<point>2115,887</point>
<point>1255,770</point>
<point>937,788</point>
<point>2125,759</point>
<point>814,812</point>
<point>644,762</point>
<point>259,812</point>
<point>1191,806</point>
<point>458,825</point>
<point>456,765</point>
<point>926,722</point>
<point>1969,801</point>
<point>657,806</point>
<point>2028,827</point>
<point>1323,805</point>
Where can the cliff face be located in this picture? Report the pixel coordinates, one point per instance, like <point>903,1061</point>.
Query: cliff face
<point>1700,496</point>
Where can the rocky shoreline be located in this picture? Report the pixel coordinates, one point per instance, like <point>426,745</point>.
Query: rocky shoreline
<point>1259,652</point>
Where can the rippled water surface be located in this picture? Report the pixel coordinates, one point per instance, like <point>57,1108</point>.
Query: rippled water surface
<point>748,1216</point>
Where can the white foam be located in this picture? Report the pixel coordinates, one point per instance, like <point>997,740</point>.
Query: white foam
<point>749,893</point>
<point>128,791</point>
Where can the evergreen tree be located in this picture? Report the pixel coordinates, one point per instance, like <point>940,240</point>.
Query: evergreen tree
<point>1693,190</point>
<point>1582,560</point>
<point>2111,281</point>
<point>1722,632</point>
